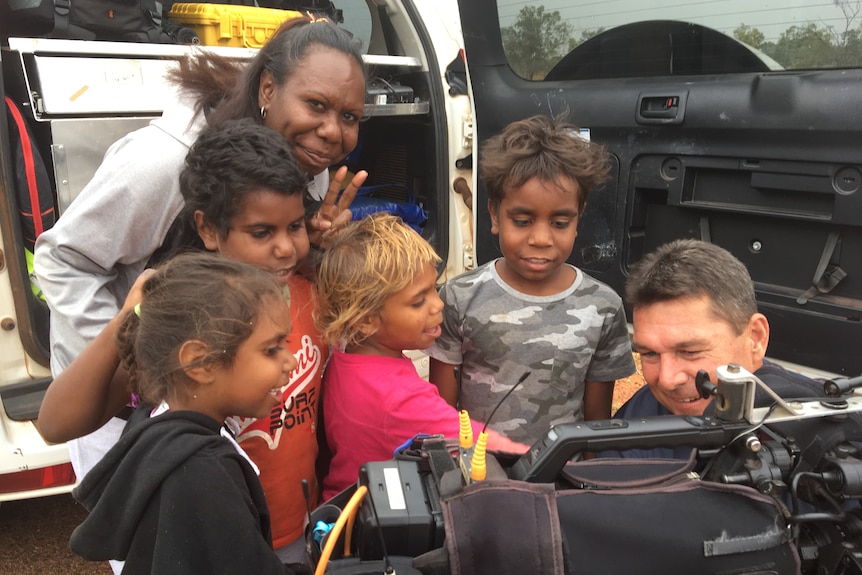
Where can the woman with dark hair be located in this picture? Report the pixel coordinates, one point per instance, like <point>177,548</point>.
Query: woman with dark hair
<point>307,82</point>
<point>303,74</point>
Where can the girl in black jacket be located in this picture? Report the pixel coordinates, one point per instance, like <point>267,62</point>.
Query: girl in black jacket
<point>176,494</point>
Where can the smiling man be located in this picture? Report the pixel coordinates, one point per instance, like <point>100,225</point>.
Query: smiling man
<point>693,308</point>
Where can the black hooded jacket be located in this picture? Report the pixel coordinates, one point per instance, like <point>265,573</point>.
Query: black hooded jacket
<point>173,496</point>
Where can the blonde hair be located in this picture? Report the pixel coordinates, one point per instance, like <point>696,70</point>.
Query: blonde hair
<point>365,264</point>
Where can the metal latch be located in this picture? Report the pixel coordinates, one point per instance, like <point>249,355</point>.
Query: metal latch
<point>665,108</point>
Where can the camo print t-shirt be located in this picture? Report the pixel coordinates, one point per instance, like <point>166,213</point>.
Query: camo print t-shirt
<point>497,334</point>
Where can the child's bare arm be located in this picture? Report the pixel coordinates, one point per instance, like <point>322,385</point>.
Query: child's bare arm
<point>93,388</point>
<point>443,376</point>
<point>87,393</point>
<point>598,397</point>
<point>501,443</point>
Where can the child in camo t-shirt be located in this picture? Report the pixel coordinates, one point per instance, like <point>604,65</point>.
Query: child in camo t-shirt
<point>530,311</point>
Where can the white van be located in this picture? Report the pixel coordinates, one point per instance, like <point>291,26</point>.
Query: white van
<point>732,121</point>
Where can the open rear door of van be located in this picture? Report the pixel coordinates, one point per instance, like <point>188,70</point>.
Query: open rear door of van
<point>727,121</point>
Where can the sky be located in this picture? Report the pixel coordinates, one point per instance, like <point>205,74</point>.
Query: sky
<point>772,17</point>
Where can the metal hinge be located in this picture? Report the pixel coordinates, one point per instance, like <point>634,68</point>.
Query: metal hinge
<point>467,132</point>
<point>469,259</point>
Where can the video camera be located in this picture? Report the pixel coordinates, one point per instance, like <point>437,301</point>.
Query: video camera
<point>775,488</point>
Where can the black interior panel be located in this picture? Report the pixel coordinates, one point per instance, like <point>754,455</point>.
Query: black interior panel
<point>766,163</point>
<point>672,48</point>
<point>778,223</point>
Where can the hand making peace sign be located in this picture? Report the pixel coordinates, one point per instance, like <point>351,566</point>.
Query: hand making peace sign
<point>334,211</point>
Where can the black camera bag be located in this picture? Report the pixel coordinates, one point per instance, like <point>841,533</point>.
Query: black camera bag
<point>619,516</point>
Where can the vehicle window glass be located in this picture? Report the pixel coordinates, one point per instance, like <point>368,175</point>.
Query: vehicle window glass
<point>583,39</point>
<point>356,19</point>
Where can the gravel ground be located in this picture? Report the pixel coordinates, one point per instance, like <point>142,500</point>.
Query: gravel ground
<point>34,538</point>
<point>625,388</point>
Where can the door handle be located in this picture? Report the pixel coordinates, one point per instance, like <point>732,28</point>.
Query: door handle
<point>658,107</point>
<point>661,108</point>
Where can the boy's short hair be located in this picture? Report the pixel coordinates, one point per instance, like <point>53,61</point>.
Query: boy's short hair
<point>544,148</point>
<point>367,262</point>
<point>232,159</point>
<point>690,269</point>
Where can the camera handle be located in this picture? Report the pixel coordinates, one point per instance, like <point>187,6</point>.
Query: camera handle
<point>734,397</point>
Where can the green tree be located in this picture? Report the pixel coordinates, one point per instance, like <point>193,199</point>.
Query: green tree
<point>848,44</point>
<point>808,46</point>
<point>850,54</point>
<point>532,44</point>
<point>751,36</point>
<point>585,35</point>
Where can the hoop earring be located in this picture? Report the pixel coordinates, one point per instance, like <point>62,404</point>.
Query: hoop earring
<point>263,113</point>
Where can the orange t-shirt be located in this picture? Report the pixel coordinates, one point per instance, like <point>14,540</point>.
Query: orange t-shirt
<point>284,446</point>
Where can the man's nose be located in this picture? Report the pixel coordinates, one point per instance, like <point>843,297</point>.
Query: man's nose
<point>671,372</point>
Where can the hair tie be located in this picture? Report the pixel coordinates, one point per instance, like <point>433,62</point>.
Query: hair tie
<point>315,18</point>
<point>137,309</point>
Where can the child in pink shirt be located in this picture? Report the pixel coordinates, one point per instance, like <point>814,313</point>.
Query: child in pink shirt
<point>377,297</point>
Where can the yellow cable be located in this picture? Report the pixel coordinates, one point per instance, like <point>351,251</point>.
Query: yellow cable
<point>465,444</point>
<point>348,533</point>
<point>477,463</point>
<point>465,434</point>
<point>331,539</point>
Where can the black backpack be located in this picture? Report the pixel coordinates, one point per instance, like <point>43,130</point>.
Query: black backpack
<point>121,20</point>
<point>111,20</point>
<point>26,19</point>
<point>33,193</point>
<point>108,20</point>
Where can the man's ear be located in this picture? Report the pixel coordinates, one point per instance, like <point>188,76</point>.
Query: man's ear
<point>758,332</point>
<point>495,218</point>
<point>206,231</point>
<point>192,353</point>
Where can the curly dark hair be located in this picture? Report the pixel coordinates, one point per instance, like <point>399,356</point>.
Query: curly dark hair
<point>544,148</point>
<point>230,160</point>
<point>198,296</point>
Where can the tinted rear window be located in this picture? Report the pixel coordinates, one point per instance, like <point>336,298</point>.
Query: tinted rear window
<point>583,39</point>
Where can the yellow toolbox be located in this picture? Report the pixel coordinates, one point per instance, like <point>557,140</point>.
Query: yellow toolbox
<point>227,25</point>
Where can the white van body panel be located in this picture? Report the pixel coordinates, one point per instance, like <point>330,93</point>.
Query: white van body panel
<point>91,93</point>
